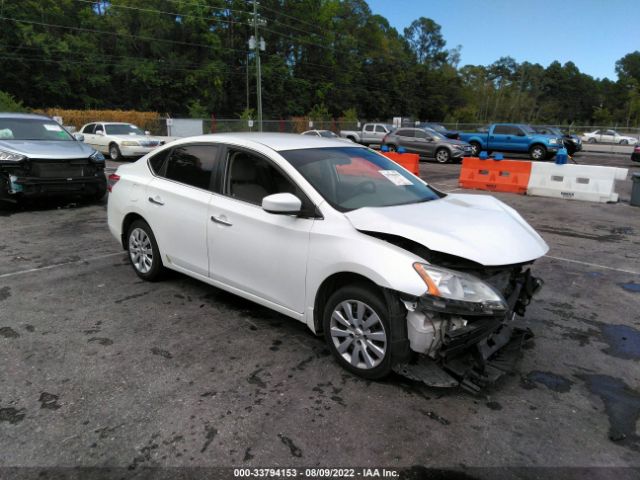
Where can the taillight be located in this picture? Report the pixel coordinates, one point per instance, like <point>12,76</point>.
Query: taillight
<point>112,180</point>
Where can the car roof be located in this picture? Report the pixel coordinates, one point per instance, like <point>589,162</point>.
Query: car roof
<point>33,116</point>
<point>275,141</point>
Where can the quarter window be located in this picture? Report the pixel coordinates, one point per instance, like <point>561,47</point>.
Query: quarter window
<point>192,165</point>
<point>157,161</point>
<point>89,128</point>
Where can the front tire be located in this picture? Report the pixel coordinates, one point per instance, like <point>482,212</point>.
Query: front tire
<point>538,152</point>
<point>144,254</point>
<point>392,147</point>
<point>114,152</point>
<point>443,155</point>
<point>476,148</point>
<point>357,331</point>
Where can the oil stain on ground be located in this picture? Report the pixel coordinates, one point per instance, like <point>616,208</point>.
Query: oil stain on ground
<point>49,401</point>
<point>5,292</point>
<point>622,405</point>
<point>624,341</point>
<point>293,448</point>
<point>8,332</point>
<point>11,415</point>
<point>550,380</point>
<point>631,287</point>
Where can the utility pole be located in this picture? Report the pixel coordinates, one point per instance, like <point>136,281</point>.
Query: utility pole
<point>258,44</point>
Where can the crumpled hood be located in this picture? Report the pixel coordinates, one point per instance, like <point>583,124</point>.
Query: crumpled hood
<point>477,227</point>
<point>48,149</point>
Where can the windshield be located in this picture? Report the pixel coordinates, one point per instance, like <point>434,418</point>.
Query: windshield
<point>32,129</point>
<point>354,177</point>
<point>122,129</point>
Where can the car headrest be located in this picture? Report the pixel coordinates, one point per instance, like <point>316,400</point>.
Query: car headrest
<point>243,169</point>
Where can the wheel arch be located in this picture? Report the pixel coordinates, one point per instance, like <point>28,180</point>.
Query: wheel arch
<point>126,223</point>
<point>333,283</point>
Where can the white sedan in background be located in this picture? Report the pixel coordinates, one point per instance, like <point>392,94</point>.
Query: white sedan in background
<point>394,274</point>
<point>120,140</point>
<point>608,136</point>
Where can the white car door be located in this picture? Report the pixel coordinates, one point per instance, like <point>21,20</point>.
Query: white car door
<point>101,141</point>
<point>177,204</point>
<point>89,137</point>
<point>260,253</point>
<point>609,136</point>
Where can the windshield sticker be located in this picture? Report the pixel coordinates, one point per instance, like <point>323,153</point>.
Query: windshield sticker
<point>53,128</point>
<point>395,177</point>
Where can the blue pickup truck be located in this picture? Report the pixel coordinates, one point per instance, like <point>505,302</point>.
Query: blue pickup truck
<point>512,137</point>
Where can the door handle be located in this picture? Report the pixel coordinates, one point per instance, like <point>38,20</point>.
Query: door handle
<point>222,220</point>
<point>155,201</point>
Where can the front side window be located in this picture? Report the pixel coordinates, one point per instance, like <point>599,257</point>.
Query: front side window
<point>353,177</point>
<point>192,165</point>
<point>380,129</point>
<point>32,129</point>
<point>251,178</point>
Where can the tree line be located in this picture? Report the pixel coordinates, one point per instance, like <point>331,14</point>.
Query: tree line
<point>332,58</point>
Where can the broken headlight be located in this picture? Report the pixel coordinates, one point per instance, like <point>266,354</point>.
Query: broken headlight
<point>11,156</point>
<point>457,292</point>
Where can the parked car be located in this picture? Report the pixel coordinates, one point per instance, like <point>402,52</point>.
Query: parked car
<point>387,268</point>
<point>517,138</point>
<point>320,133</point>
<point>38,157</point>
<point>635,156</point>
<point>427,143</point>
<point>120,140</point>
<point>371,133</point>
<point>441,129</point>
<point>571,142</point>
<point>608,136</point>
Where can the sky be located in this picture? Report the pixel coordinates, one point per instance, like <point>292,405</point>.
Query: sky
<point>593,34</point>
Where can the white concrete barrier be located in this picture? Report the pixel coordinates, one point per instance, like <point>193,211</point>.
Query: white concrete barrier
<point>577,182</point>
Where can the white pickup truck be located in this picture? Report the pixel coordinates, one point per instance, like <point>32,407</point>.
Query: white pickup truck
<point>371,133</point>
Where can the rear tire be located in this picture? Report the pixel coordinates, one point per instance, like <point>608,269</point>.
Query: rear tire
<point>144,254</point>
<point>392,147</point>
<point>592,140</point>
<point>624,142</point>
<point>443,155</point>
<point>356,327</point>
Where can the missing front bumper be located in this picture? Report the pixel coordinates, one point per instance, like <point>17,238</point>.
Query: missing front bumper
<point>477,368</point>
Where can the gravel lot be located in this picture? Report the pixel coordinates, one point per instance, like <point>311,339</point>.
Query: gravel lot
<point>101,369</point>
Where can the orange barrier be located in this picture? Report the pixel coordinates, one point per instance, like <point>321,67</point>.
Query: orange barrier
<point>410,161</point>
<point>495,175</point>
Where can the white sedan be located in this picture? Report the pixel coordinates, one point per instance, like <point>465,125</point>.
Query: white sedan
<point>120,140</point>
<point>395,274</point>
<point>608,136</point>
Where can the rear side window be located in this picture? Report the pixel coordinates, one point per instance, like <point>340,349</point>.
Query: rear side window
<point>368,128</point>
<point>502,130</point>
<point>405,133</point>
<point>192,165</point>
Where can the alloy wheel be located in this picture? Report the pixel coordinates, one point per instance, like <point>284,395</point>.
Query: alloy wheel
<point>358,334</point>
<point>140,250</point>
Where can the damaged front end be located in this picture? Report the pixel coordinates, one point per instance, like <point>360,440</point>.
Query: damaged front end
<point>22,177</point>
<point>462,328</point>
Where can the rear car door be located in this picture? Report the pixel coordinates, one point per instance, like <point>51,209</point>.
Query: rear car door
<point>257,252</point>
<point>177,205</point>
<point>89,137</point>
<point>406,139</point>
<point>101,141</point>
<point>425,144</point>
<point>368,133</point>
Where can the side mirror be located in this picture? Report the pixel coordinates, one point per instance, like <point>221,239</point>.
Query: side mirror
<point>282,203</point>
<point>147,132</point>
<point>100,133</point>
<point>79,137</point>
